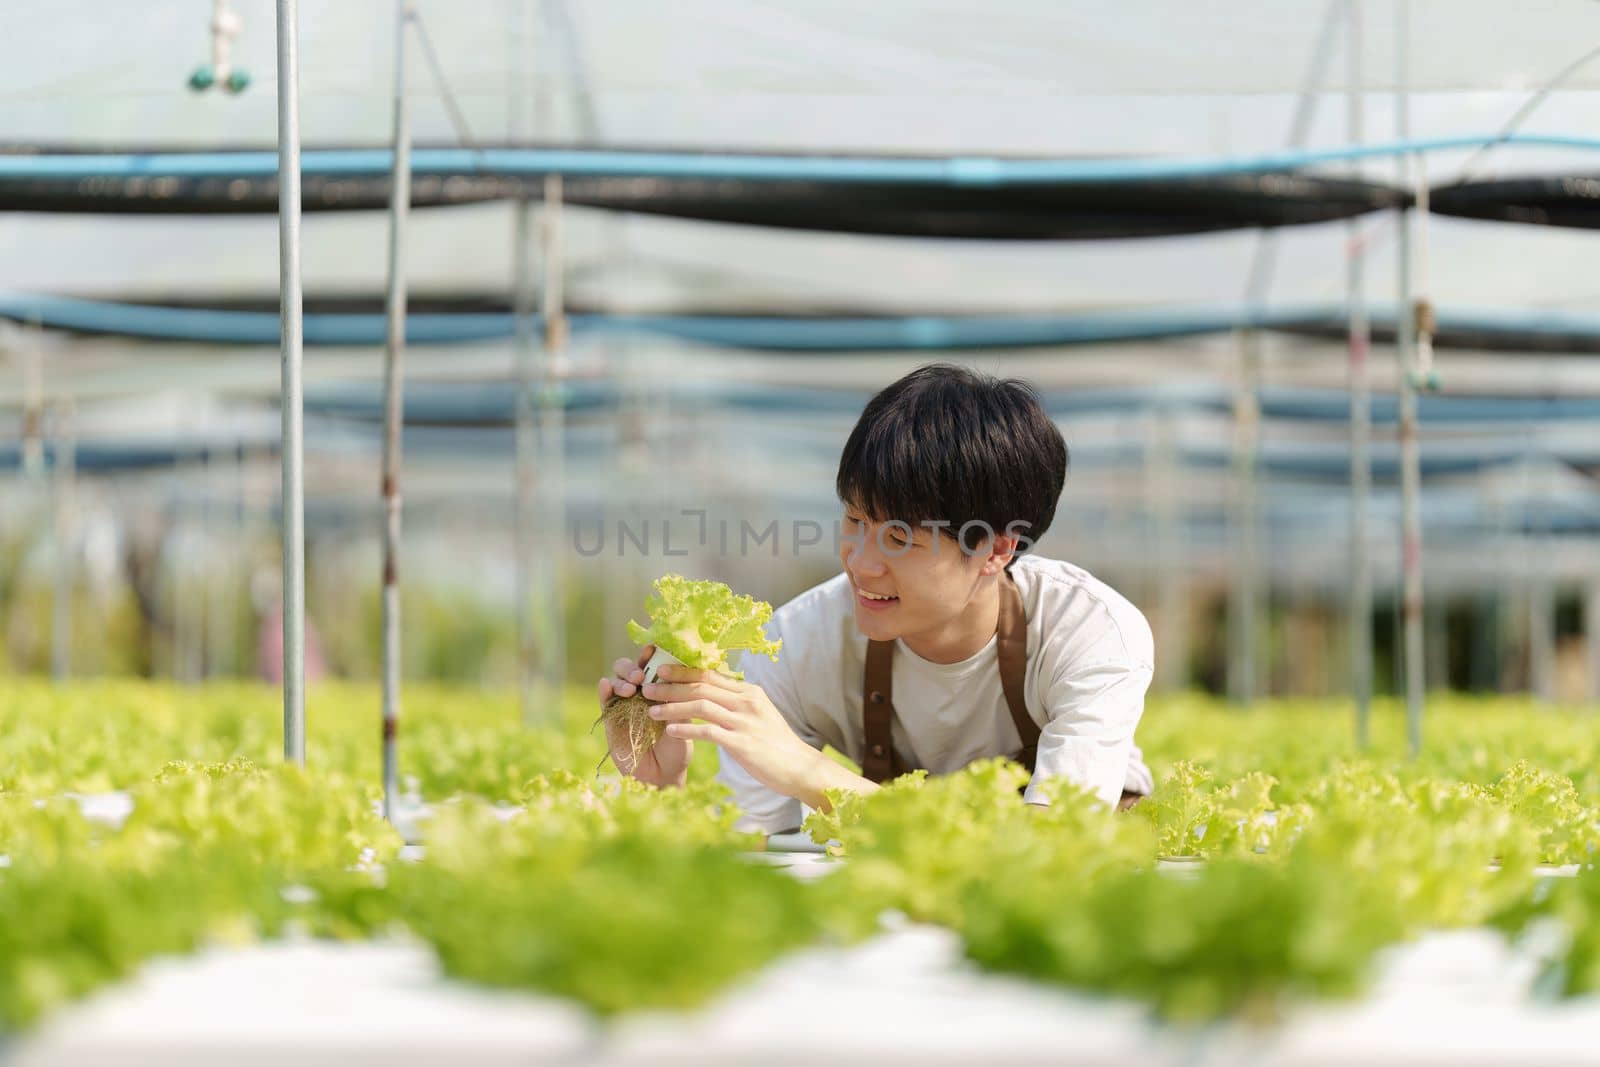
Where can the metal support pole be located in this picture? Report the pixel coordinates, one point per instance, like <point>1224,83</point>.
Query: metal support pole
<point>1540,580</point>
<point>552,425</point>
<point>1244,599</point>
<point>190,604</point>
<point>527,455</point>
<point>211,584</point>
<point>1591,633</point>
<point>66,531</point>
<point>32,410</point>
<point>226,542</point>
<point>198,473</point>
<point>235,571</point>
<point>394,411</point>
<point>1172,662</point>
<point>175,551</point>
<point>1514,673</point>
<point>293,454</point>
<point>1360,343</point>
<point>1410,458</point>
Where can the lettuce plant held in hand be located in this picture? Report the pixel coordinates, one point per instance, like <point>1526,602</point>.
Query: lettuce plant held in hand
<point>696,623</point>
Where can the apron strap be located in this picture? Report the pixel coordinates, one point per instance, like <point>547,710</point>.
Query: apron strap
<point>879,761</point>
<point>1013,647</point>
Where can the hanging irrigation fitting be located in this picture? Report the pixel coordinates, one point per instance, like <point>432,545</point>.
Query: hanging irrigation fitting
<point>1423,376</point>
<point>225,25</point>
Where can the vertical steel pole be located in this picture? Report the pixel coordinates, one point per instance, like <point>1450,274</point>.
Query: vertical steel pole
<point>35,488</point>
<point>394,410</point>
<point>1172,662</point>
<point>294,513</point>
<point>222,638</point>
<point>238,569</point>
<point>1360,340</point>
<point>1517,549</point>
<point>1540,585</point>
<point>1410,459</point>
<point>552,425</point>
<point>189,605</point>
<point>527,458</point>
<point>65,454</point>
<point>527,455</point>
<point>176,551</point>
<point>32,360</point>
<point>199,474</point>
<point>209,584</point>
<point>1241,600</point>
<point>1591,632</point>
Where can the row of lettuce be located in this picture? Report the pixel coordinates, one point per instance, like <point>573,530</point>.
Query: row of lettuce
<point>1317,858</point>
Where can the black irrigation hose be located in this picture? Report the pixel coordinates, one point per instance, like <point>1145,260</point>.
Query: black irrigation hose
<point>1044,211</point>
<point>1572,201</point>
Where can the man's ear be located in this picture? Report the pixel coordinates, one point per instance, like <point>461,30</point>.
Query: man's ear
<point>1002,550</point>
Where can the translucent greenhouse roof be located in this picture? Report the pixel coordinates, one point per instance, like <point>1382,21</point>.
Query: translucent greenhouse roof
<point>1074,77</point>
<point>1063,78</point>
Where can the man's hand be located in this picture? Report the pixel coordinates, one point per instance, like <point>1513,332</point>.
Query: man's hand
<point>741,718</point>
<point>667,762</point>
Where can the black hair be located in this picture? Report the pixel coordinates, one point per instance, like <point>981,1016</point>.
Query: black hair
<point>948,444</point>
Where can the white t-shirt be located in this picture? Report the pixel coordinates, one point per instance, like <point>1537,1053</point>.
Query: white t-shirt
<point>1090,660</point>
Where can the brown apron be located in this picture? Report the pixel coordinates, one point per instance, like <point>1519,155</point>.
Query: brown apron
<point>879,760</point>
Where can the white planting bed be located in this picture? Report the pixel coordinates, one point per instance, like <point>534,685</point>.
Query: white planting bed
<point>1464,997</point>
<point>905,997</point>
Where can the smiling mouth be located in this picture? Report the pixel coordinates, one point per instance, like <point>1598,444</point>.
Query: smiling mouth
<point>875,598</point>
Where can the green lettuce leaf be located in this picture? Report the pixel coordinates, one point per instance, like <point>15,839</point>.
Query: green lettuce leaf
<point>700,622</point>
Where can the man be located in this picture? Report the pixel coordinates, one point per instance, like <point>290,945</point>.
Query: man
<point>942,642</point>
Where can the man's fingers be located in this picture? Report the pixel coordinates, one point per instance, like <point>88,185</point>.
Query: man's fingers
<point>627,677</point>
<point>699,731</point>
<point>605,690</point>
<point>685,710</point>
<point>644,655</point>
<point>671,692</point>
<point>676,672</point>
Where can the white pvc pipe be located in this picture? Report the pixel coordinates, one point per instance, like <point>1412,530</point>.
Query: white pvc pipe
<point>1246,566</point>
<point>1591,634</point>
<point>66,531</point>
<point>209,584</point>
<point>32,360</point>
<point>527,457</point>
<point>1172,600</point>
<point>394,411</point>
<point>552,427</point>
<point>1360,341</point>
<point>293,454</point>
<point>1410,458</point>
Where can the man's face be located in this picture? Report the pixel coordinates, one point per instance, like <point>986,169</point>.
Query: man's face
<point>924,574</point>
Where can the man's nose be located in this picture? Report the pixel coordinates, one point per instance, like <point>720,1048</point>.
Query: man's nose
<point>863,559</point>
